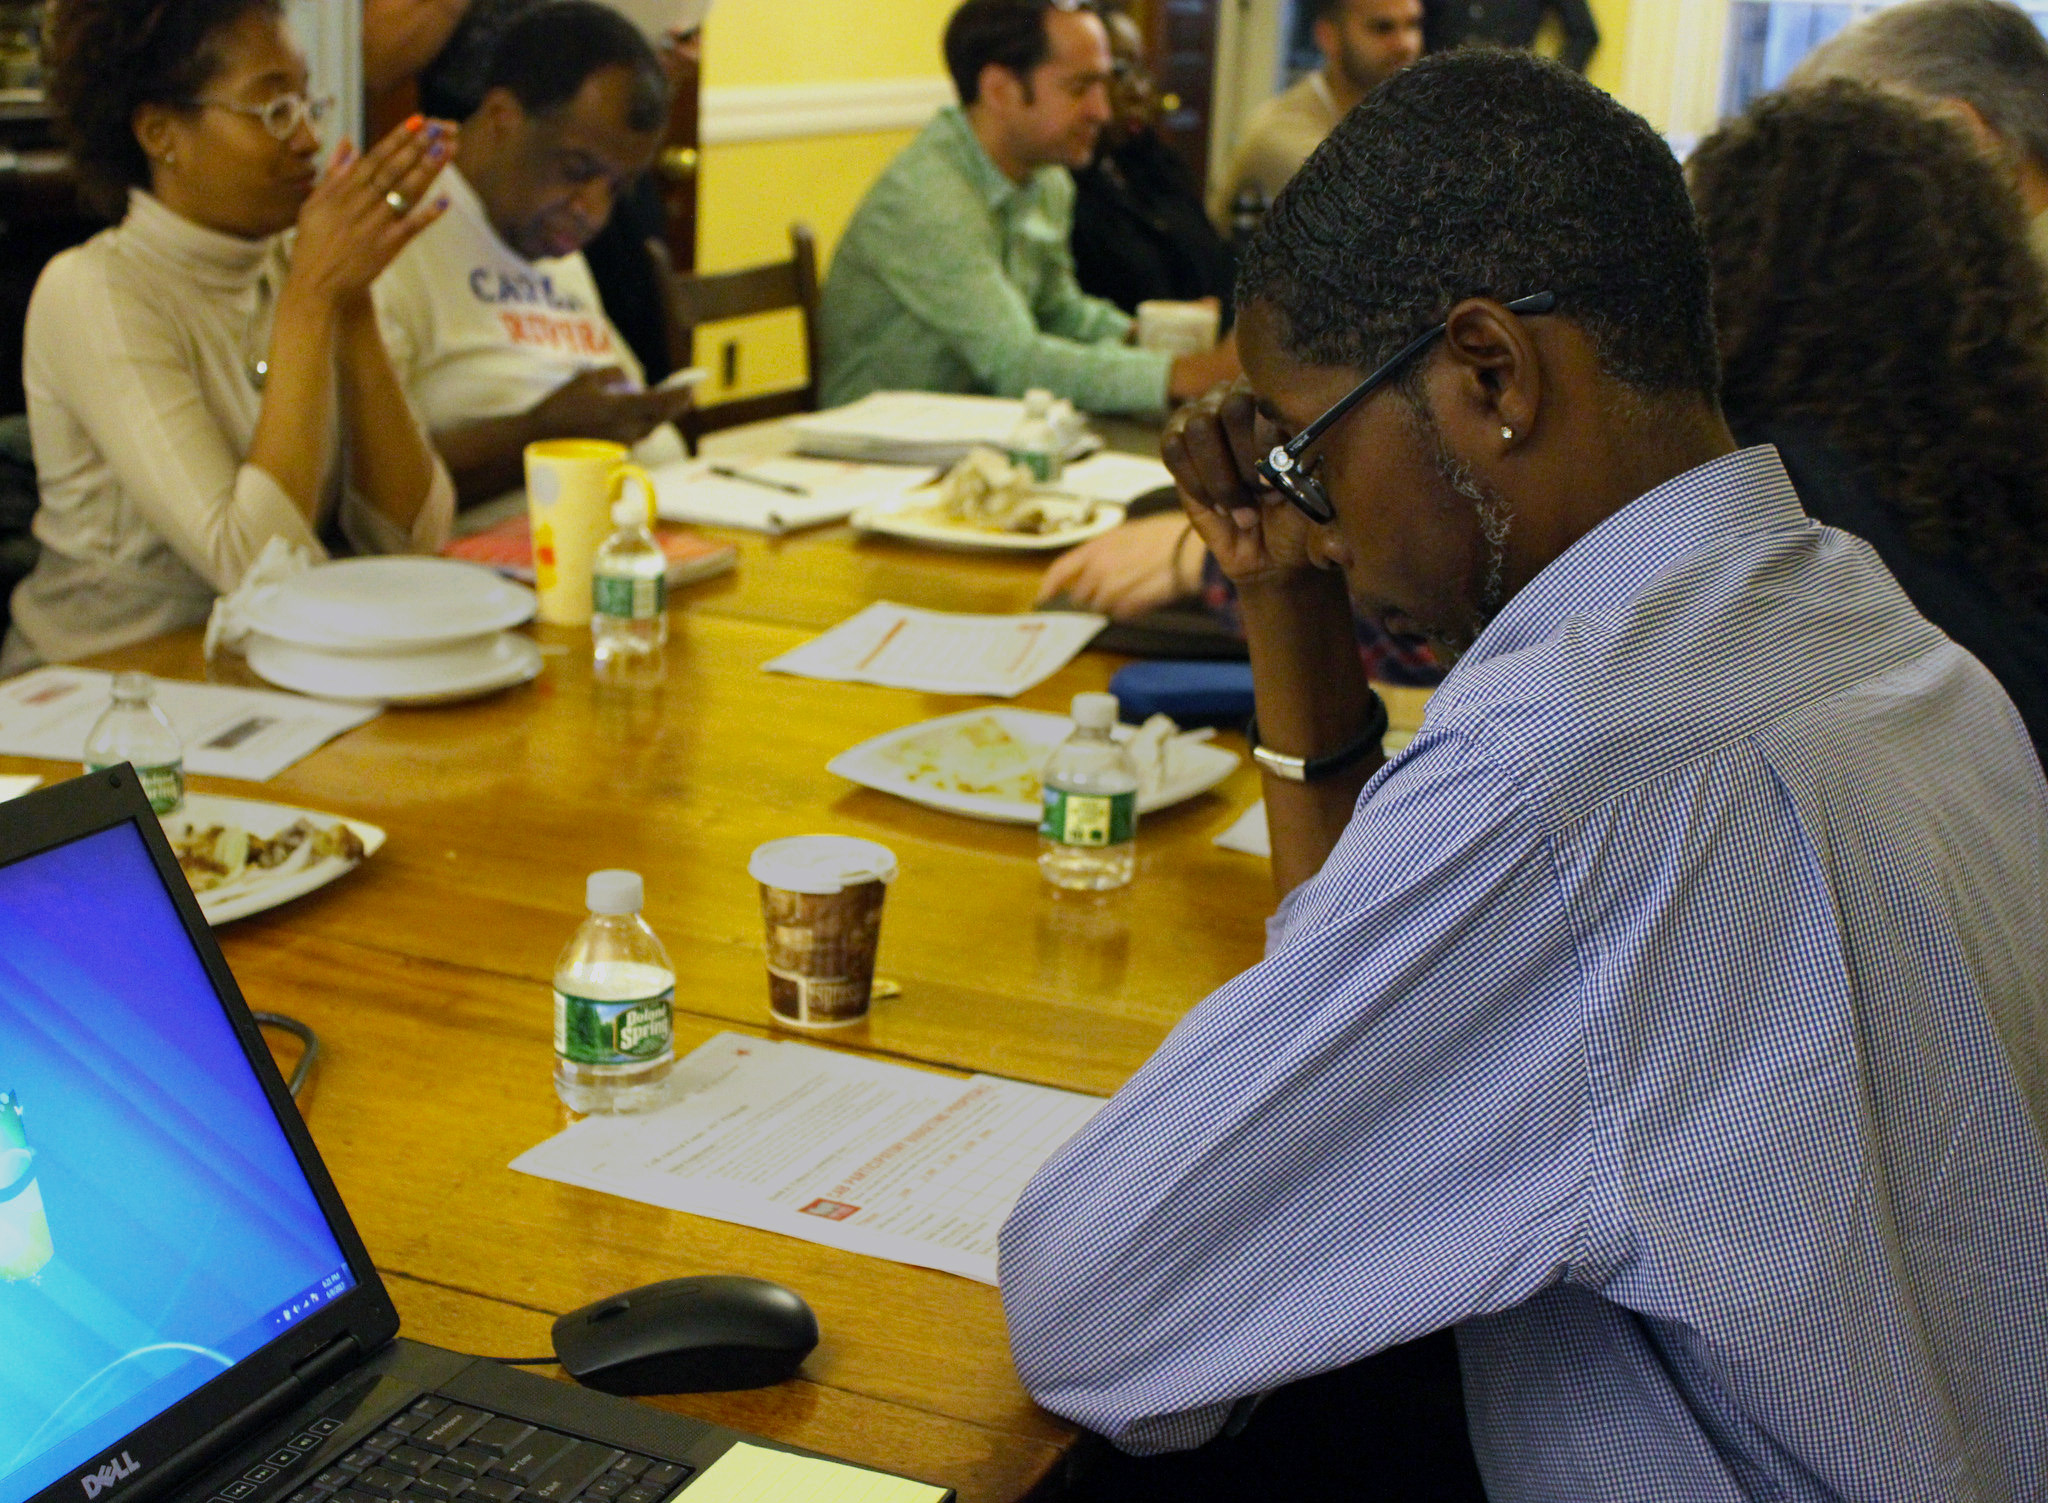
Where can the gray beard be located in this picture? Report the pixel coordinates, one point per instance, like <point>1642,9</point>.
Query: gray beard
<point>1496,524</point>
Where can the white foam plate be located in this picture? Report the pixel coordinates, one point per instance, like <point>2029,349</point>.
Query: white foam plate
<point>462,670</point>
<point>880,763</point>
<point>253,892</point>
<point>376,605</point>
<point>908,518</point>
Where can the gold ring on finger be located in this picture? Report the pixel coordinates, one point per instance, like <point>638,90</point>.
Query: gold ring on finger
<point>397,202</point>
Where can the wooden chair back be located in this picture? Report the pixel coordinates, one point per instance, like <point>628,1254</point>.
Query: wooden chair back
<point>706,298</point>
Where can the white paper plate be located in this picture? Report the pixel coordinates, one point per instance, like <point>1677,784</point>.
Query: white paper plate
<point>253,892</point>
<point>904,519</point>
<point>377,605</point>
<point>878,763</point>
<point>464,670</point>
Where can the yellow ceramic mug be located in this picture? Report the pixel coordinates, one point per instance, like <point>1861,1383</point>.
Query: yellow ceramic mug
<point>572,484</point>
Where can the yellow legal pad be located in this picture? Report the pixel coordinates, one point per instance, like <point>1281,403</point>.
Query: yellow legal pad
<point>749,1474</point>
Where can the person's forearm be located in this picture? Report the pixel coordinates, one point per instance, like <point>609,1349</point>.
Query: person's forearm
<point>1312,700</point>
<point>391,465</point>
<point>290,441</point>
<point>488,457</point>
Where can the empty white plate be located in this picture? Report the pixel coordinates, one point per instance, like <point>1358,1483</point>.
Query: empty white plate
<point>376,605</point>
<point>441,675</point>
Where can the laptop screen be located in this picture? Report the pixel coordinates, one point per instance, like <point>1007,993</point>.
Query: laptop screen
<point>155,1227</point>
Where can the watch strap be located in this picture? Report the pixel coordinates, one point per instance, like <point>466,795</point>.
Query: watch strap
<point>1312,769</point>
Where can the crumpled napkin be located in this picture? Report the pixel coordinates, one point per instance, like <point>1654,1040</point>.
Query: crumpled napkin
<point>226,627</point>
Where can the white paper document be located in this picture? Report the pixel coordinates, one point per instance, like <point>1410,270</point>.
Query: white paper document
<point>776,495</point>
<point>228,732</point>
<point>1248,833</point>
<point>1119,478</point>
<point>14,785</point>
<point>940,652</point>
<point>875,1158</point>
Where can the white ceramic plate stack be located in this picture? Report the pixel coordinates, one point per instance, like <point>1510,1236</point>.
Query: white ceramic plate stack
<point>400,630</point>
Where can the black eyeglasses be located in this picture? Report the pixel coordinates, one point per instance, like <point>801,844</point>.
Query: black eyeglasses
<point>1282,468</point>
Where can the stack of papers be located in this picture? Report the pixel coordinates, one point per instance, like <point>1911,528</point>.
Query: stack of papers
<point>834,1148</point>
<point>918,427</point>
<point>776,495</point>
<point>229,733</point>
<point>938,652</point>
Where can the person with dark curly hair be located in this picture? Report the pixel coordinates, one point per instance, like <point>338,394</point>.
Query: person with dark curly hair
<point>199,382</point>
<point>1666,1020</point>
<point>1883,322</point>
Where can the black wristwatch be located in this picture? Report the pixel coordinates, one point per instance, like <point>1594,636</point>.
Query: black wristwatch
<point>1311,769</point>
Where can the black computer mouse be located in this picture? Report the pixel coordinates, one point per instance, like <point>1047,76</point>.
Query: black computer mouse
<point>714,1332</point>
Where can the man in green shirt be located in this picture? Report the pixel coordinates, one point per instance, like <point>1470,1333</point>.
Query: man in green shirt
<point>955,274</point>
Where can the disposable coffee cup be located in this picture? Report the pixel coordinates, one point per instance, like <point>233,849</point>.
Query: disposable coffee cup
<point>821,899</point>
<point>571,486</point>
<point>1176,328</point>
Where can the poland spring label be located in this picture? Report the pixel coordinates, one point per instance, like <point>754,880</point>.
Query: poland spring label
<point>589,1032</point>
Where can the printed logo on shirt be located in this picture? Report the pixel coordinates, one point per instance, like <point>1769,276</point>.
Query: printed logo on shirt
<point>569,336</point>
<point>531,288</point>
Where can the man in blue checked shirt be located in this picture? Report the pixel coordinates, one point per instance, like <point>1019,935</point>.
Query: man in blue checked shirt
<point>1669,1017</point>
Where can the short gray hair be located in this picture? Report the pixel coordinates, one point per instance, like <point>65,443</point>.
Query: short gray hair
<point>1987,53</point>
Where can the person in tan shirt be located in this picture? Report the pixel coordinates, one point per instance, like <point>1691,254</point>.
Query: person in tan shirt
<point>1364,43</point>
<point>199,381</point>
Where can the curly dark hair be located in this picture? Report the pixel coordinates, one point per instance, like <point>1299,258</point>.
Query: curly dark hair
<point>104,58</point>
<point>1872,277</point>
<point>1489,173</point>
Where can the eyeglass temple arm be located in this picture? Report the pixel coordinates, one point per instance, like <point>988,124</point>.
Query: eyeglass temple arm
<point>1536,302</point>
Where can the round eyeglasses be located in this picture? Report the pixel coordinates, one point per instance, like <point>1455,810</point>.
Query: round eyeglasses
<point>1282,468</point>
<point>284,114</point>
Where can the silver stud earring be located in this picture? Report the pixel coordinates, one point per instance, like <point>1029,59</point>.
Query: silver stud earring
<point>170,158</point>
<point>1508,434</point>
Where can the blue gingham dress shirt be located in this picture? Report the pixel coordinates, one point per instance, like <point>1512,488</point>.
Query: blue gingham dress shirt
<point>1670,1019</point>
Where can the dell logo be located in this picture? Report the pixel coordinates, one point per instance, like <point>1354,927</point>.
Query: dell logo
<point>115,1471</point>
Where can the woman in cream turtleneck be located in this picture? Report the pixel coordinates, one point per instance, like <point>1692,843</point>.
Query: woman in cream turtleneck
<point>200,378</point>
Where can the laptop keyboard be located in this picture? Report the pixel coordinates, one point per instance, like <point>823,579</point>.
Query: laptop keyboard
<point>436,1451</point>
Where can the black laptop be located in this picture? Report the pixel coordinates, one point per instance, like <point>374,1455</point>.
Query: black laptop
<point>186,1311</point>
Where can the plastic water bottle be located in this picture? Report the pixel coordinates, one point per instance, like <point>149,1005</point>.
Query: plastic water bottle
<point>629,591</point>
<point>615,996</point>
<point>134,729</point>
<point>1088,828</point>
<point>1035,444</point>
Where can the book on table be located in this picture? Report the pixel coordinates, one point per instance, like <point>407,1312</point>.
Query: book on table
<point>507,546</point>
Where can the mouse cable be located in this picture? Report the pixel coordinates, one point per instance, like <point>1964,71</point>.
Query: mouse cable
<point>304,1035</point>
<point>548,1361</point>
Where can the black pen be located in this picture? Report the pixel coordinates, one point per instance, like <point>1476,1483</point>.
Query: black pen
<point>784,486</point>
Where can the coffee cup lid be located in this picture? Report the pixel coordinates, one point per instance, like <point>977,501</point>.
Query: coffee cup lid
<point>821,864</point>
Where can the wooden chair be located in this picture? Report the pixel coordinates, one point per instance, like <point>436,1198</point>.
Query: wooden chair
<point>691,301</point>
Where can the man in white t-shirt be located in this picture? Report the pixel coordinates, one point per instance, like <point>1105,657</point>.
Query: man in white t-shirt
<point>492,316</point>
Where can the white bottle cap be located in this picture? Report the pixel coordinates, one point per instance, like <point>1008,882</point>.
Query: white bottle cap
<point>133,686</point>
<point>614,892</point>
<point>1037,402</point>
<point>821,864</point>
<point>1095,712</point>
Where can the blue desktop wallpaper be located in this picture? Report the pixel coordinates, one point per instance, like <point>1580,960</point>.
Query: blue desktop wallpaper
<point>153,1219</point>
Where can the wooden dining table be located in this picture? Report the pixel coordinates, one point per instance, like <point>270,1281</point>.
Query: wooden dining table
<point>426,974</point>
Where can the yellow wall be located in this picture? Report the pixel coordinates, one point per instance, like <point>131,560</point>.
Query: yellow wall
<point>750,191</point>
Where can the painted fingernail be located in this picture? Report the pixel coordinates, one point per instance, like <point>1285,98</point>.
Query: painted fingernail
<point>440,205</point>
<point>437,151</point>
<point>434,130</point>
<point>415,122</point>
